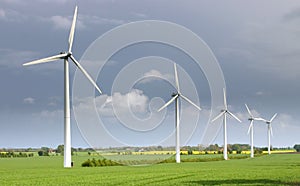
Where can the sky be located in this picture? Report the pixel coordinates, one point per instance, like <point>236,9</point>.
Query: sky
<point>255,44</point>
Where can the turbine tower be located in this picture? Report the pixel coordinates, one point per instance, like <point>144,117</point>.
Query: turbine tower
<point>177,108</point>
<point>252,119</point>
<point>65,56</point>
<point>223,113</point>
<point>270,131</point>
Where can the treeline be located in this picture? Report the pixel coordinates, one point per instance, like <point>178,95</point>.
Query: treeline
<point>15,155</point>
<point>46,151</point>
<point>237,148</point>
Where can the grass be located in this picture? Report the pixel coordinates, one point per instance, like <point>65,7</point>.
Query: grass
<point>276,169</point>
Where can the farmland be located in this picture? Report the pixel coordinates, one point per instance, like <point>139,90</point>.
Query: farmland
<point>282,169</point>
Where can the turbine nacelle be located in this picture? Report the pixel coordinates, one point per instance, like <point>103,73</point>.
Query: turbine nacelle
<point>175,94</point>
<point>270,121</point>
<point>225,110</point>
<point>67,54</point>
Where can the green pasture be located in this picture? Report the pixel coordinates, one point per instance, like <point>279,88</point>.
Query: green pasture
<point>276,169</point>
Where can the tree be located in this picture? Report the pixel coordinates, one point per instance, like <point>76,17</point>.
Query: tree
<point>237,148</point>
<point>212,147</point>
<point>60,149</point>
<point>73,150</point>
<point>160,148</point>
<point>45,149</point>
<point>297,147</point>
<point>43,153</point>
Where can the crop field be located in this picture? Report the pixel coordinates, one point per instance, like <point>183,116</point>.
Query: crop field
<point>275,169</point>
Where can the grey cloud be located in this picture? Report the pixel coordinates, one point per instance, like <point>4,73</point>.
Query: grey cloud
<point>13,58</point>
<point>292,15</point>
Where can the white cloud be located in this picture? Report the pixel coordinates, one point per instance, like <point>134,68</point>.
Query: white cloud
<point>155,74</point>
<point>61,22</point>
<point>101,20</point>
<point>51,114</point>
<point>29,100</point>
<point>259,93</point>
<point>135,101</point>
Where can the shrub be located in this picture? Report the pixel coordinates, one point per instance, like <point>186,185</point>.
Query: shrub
<point>258,151</point>
<point>297,147</point>
<point>87,163</point>
<point>99,163</point>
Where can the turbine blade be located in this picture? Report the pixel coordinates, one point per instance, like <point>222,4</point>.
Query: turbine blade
<point>188,100</point>
<point>218,116</point>
<point>225,101</point>
<point>168,103</point>
<point>234,116</point>
<point>248,110</point>
<point>271,130</point>
<point>47,59</point>
<point>86,74</point>
<point>251,125</point>
<point>72,31</point>
<point>273,117</point>
<point>176,78</point>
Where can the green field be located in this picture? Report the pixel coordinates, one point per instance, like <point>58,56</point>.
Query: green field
<point>276,169</point>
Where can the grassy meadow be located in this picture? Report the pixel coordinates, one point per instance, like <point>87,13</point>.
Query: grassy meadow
<point>275,169</point>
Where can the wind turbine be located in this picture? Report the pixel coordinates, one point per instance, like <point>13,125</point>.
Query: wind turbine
<point>177,119</point>
<point>270,132</point>
<point>252,119</point>
<point>223,113</point>
<point>65,56</point>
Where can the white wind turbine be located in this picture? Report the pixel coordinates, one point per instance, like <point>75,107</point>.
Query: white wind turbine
<point>65,56</point>
<point>223,113</point>
<point>270,132</point>
<point>251,119</point>
<point>177,120</point>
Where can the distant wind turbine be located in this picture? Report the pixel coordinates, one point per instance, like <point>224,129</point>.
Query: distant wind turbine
<point>223,113</point>
<point>175,98</point>
<point>65,56</point>
<point>270,132</point>
<point>252,119</point>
